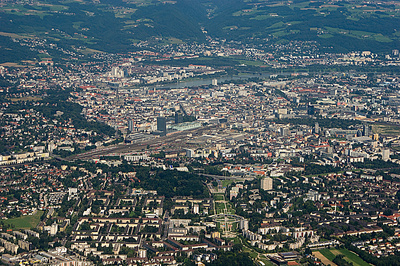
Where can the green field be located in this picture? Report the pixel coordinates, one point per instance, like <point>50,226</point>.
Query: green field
<point>220,206</point>
<point>386,129</point>
<point>254,255</point>
<point>327,253</point>
<point>267,262</point>
<point>352,257</point>
<point>218,196</point>
<point>330,254</point>
<point>226,183</point>
<point>25,222</point>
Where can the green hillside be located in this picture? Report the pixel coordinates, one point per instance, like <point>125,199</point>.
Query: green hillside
<point>341,26</point>
<point>113,26</point>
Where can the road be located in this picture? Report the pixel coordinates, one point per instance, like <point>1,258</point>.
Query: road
<point>219,177</point>
<point>166,219</point>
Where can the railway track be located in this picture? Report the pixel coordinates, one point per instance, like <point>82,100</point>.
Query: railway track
<point>153,143</point>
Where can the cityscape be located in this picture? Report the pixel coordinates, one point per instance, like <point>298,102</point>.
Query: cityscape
<point>211,151</point>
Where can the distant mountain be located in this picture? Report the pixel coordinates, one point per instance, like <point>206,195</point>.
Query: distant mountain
<point>340,25</point>
<point>113,25</point>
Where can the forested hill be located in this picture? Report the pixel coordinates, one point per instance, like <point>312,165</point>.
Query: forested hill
<point>114,25</point>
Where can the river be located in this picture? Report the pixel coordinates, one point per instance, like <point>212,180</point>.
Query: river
<point>208,81</point>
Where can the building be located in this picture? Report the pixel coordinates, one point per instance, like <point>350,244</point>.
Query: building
<point>312,196</point>
<point>117,72</point>
<point>316,128</point>
<point>266,183</point>
<point>162,125</point>
<point>284,131</point>
<point>25,244</point>
<point>196,209</point>
<point>131,126</point>
<point>366,130</point>
<point>385,154</point>
<point>310,110</point>
<point>53,229</point>
<point>190,153</point>
<point>185,126</point>
<point>178,118</point>
<point>11,247</point>
<point>244,224</point>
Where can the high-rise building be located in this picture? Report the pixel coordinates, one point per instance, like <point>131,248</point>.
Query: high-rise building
<point>196,209</point>
<point>329,150</point>
<point>142,253</point>
<point>316,128</point>
<point>190,153</point>
<point>117,72</point>
<point>244,224</point>
<point>310,110</point>
<point>162,124</point>
<point>214,82</point>
<point>366,130</point>
<point>114,71</point>
<point>131,125</point>
<point>53,229</point>
<point>284,131</point>
<point>266,183</point>
<point>178,118</point>
<point>51,147</point>
<point>386,154</point>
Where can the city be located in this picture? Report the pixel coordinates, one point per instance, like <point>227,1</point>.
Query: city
<point>199,153</point>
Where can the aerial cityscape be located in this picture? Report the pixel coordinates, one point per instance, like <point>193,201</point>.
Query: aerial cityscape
<point>221,132</point>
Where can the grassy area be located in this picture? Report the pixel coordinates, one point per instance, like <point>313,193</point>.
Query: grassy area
<point>91,51</point>
<point>226,183</point>
<point>218,196</point>
<point>354,258</point>
<point>25,222</point>
<point>330,254</point>
<point>235,240</point>
<point>267,262</point>
<point>251,252</point>
<point>251,63</point>
<point>13,35</point>
<point>10,64</point>
<point>325,174</point>
<point>172,40</point>
<point>327,253</point>
<point>386,129</point>
<point>219,206</point>
<point>24,99</point>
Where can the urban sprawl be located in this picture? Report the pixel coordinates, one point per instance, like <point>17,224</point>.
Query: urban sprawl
<point>126,160</point>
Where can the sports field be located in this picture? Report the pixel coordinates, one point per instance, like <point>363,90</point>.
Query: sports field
<point>25,222</point>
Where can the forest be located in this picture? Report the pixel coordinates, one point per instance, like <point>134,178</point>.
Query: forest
<point>173,183</point>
